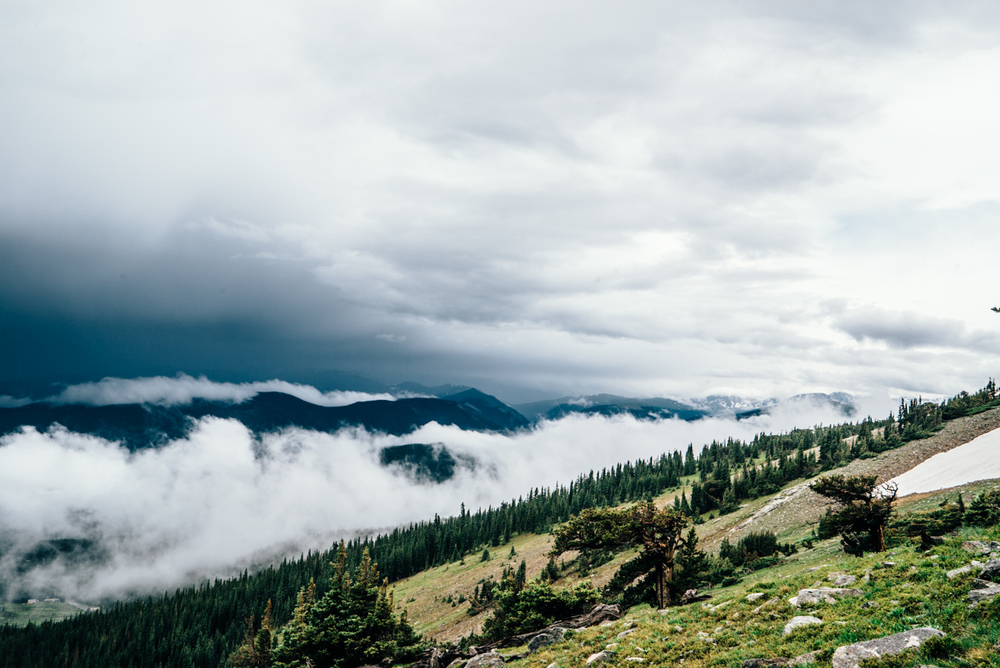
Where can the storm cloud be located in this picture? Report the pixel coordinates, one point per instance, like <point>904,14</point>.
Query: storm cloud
<point>535,198</point>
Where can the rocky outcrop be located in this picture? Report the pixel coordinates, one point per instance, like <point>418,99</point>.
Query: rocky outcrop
<point>598,614</point>
<point>850,656</point>
<point>981,546</point>
<point>980,595</point>
<point>991,570</point>
<point>550,636</point>
<point>488,660</point>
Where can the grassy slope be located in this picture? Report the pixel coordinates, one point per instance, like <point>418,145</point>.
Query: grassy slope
<point>913,592</point>
<point>19,614</point>
<point>423,595</point>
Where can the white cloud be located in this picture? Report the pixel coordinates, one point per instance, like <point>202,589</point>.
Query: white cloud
<point>211,503</point>
<point>183,389</point>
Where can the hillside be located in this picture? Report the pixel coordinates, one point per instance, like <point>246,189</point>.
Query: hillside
<point>792,514</point>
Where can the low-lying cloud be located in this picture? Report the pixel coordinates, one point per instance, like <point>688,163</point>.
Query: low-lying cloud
<point>183,389</point>
<point>223,498</point>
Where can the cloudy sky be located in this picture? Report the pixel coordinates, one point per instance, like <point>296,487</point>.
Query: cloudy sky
<point>536,198</point>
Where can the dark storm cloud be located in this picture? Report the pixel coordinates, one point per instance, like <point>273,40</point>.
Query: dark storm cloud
<point>539,194</point>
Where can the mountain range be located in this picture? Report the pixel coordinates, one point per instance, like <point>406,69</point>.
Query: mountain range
<point>140,425</point>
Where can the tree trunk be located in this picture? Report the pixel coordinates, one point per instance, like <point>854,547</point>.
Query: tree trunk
<point>878,538</point>
<point>662,593</point>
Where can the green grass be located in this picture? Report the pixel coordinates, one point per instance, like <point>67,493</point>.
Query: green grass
<point>20,614</point>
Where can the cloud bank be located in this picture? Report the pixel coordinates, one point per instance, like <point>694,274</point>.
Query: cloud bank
<point>183,389</point>
<point>221,499</point>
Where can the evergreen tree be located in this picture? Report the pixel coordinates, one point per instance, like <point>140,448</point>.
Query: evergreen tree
<point>865,508</point>
<point>657,531</point>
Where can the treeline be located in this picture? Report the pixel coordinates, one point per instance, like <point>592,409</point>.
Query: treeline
<point>201,626</point>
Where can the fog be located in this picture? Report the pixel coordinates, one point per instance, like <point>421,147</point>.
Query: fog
<point>222,498</point>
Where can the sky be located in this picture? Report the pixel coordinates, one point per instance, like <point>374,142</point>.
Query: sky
<point>533,198</point>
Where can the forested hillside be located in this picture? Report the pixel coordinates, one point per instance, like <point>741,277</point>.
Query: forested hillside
<point>201,626</point>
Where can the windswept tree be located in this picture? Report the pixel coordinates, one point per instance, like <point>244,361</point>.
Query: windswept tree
<point>865,509</point>
<point>658,532</point>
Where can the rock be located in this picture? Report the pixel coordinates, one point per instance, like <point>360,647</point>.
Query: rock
<point>552,665</point>
<point>624,634</point>
<point>457,663</point>
<point>635,659</point>
<point>981,584</point>
<point>991,570</point>
<point>613,646</point>
<point>888,564</point>
<point>844,581</point>
<point>545,638</point>
<point>869,605</point>
<point>487,660</point>
<point>822,594</point>
<point>770,602</point>
<point>754,597</point>
<point>802,620</point>
<point>599,658</point>
<point>764,663</point>
<point>805,659</point>
<point>979,595</point>
<point>849,656</point>
<point>599,613</point>
<point>962,570</point>
<point>692,596</point>
<point>980,546</point>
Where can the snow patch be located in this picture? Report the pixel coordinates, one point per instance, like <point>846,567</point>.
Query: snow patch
<point>979,459</point>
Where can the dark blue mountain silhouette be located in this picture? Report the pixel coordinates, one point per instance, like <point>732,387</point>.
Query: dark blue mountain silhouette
<point>140,426</point>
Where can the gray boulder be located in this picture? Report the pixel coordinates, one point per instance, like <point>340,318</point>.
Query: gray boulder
<point>962,570</point>
<point>802,620</point>
<point>600,657</point>
<point>980,595</point>
<point>487,660</point>
<point>822,595</point>
<point>626,633</point>
<point>991,570</point>
<point>849,656</point>
<point>545,638</point>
